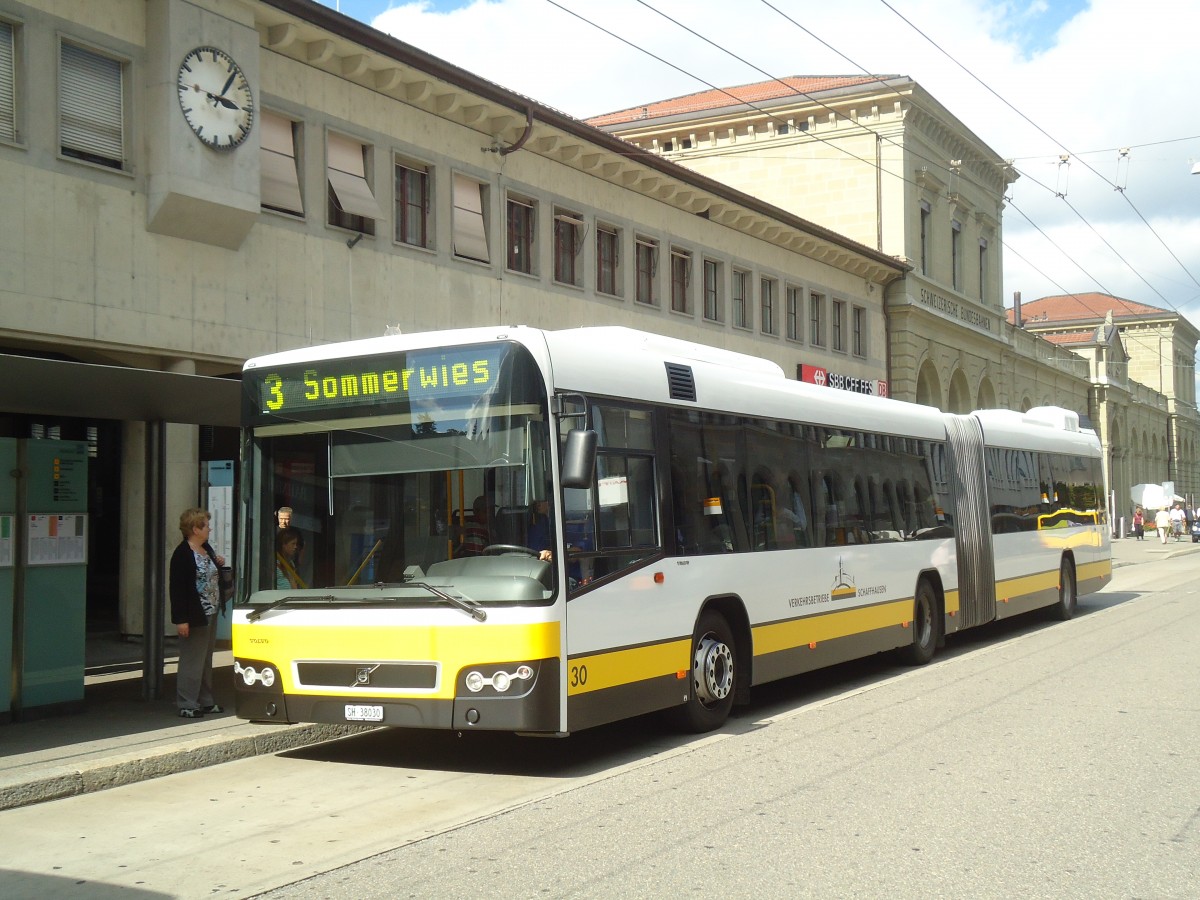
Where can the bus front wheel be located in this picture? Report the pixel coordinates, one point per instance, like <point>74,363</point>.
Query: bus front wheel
<point>924,626</point>
<point>714,668</point>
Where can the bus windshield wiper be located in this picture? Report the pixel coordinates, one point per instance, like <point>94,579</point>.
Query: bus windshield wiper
<point>470,607</point>
<point>255,614</point>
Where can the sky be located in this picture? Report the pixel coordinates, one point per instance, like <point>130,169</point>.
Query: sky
<point>1108,84</point>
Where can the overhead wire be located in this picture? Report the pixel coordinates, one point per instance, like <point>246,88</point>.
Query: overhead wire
<point>871,163</point>
<point>1045,133</point>
<point>1094,310</point>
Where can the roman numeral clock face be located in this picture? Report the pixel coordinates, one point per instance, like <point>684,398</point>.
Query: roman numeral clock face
<point>215,98</point>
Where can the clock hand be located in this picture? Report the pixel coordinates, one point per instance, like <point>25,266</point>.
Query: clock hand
<point>223,101</point>
<point>228,82</point>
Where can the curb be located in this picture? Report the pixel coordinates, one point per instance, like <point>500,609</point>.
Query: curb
<point>178,757</point>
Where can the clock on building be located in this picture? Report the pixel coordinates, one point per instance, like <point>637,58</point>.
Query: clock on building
<point>215,98</point>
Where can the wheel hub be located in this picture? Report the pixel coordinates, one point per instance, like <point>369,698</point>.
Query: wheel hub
<point>712,670</point>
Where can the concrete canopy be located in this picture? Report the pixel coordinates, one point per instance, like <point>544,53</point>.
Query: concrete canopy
<point>55,387</point>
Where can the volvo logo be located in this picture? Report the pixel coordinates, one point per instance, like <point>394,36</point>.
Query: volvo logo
<point>362,674</point>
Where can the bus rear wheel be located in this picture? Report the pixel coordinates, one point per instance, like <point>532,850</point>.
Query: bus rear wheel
<point>714,671</point>
<point>924,626</point>
<point>1068,595</point>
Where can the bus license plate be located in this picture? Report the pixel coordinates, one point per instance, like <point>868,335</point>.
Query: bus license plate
<point>356,712</point>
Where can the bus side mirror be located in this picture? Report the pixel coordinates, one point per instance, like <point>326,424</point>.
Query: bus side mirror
<point>579,458</point>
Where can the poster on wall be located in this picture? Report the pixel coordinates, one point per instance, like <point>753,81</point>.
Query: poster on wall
<point>6,541</point>
<point>56,539</point>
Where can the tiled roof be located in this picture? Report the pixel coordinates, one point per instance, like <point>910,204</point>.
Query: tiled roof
<point>1083,307</point>
<point>746,93</point>
<point>1072,337</point>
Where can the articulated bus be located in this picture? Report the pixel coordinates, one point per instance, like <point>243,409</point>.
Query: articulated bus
<point>543,531</point>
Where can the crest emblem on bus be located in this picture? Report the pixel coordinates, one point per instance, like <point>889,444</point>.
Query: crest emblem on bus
<point>843,586</point>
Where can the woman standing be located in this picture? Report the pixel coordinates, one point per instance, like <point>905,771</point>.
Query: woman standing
<point>195,595</point>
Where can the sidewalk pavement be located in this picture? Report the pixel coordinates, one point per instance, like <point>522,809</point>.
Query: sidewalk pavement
<point>120,738</point>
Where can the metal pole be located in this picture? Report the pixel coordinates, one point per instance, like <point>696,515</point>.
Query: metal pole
<point>152,602</point>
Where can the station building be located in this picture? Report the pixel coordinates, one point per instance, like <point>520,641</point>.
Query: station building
<point>148,247</point>
<point>879,159</point>
<point>1142,360</point>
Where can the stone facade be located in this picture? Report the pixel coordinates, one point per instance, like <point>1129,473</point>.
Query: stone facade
<point>127,241</point>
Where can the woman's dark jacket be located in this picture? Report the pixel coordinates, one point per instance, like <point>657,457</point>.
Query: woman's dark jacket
<point>181,585</point>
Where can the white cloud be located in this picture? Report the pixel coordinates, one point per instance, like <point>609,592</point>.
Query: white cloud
<point>1116,75</point>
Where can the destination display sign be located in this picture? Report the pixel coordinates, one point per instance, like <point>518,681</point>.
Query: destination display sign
<point>343,385</point>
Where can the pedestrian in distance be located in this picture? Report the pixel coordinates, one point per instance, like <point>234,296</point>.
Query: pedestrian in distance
<point>1162,521</point>
<point>1139,524</point>
<point>194,589</point>
<point>1177,518</point>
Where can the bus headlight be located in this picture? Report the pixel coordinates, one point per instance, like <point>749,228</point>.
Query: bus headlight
<point>251,675</point>
<point>499,680</point>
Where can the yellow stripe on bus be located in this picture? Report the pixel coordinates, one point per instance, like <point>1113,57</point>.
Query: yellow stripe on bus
<point>621,667</point>
<point>814,629</point>
<point>1011,588</point>
<point>618,667</point>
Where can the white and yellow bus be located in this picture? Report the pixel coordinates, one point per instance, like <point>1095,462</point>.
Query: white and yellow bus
<point>543,531</point>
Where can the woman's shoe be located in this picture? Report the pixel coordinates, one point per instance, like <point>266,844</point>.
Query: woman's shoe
<point>215,708</point>
<point>191,714</point>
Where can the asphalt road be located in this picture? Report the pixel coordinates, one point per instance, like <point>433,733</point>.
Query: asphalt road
<point>1030,759</point>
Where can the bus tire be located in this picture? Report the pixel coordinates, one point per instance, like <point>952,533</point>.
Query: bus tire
<point>713,675</point>
<point>925,629</point>
<point>1068,592</point>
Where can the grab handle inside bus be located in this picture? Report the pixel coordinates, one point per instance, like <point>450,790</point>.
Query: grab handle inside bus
<point>579,458</point>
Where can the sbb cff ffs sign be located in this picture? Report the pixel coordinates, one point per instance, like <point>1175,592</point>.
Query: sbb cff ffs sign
<point>825,378</point>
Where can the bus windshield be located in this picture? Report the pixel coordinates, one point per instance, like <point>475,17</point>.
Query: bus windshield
<point>421,467</point>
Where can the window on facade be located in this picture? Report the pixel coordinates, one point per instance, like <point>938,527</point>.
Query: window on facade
<point>712,291</point>
<point>859,331</point>
<point>924,234</point>
<point>279,188</point>
<point>91,107</point>
<point>837,325</point>
<point>766,305</point>
<point>983,268</point>
<point>412,203</point>
<point>956,255</point>
<point>681,277</point>
<point>793,310</point>
<point>608,244</point>
<point>568,242</point>
<point>816,319</point>
<point>646,253</point>
<point>351,201</point>
<point>519,223</point>
<point>8,80</point>
<point>470,226</point>
<point>741,301</point>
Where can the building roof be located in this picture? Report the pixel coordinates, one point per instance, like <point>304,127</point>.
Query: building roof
<point>776,88</point>
<point>1066,338</point>
<point>1089,307</point>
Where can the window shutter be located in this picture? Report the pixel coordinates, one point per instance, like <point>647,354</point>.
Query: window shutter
<point>8,106</point>
<point>470,235</point>
<point>91,104</point>
<point>280,188</point>
<point>348,177</point>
